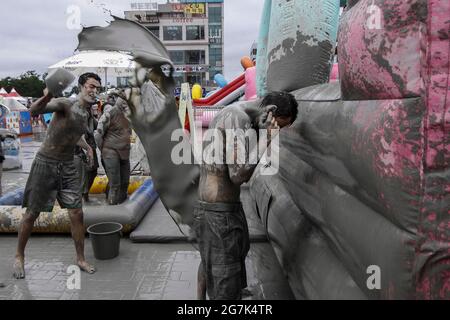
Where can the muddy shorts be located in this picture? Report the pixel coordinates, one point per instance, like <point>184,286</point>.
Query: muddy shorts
<point>222,235</point>
<point>51,179</point>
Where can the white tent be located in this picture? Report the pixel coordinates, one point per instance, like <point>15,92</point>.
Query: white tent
<point>13,105</point>
<point>107,64</point>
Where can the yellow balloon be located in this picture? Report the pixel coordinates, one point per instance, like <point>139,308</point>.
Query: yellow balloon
<point>196,91</point>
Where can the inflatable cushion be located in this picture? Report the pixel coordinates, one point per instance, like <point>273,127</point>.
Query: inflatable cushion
<point>379,49</point>
<point>301,43</point>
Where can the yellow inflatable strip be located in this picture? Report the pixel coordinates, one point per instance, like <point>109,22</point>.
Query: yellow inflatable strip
<point>100,183</point>
<point>56,221</point>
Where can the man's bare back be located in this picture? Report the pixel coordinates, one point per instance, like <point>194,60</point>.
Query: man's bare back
<point>220,182</point>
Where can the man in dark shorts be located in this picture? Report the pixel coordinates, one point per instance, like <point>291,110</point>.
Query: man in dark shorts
<point>53,174</point>
<point>220,224</point>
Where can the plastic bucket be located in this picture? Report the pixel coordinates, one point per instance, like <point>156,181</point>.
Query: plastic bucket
<point>105,238</point>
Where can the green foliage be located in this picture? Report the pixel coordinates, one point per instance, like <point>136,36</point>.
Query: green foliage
<point>28,84</point>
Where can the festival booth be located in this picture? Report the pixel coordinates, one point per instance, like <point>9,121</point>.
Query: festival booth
<point>18,118</point>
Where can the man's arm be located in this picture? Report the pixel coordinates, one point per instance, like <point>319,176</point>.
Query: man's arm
<point>102,127</point>
<point>247,152</point>
<point>47,104</point>
<point>90,153</point>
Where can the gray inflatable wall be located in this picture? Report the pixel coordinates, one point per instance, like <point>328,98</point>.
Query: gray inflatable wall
<point>363,182</point>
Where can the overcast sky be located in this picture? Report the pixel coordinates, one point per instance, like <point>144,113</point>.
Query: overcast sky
<point>37,34</point>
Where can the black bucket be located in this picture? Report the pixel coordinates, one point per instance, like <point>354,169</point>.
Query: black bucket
<point>105,239</point>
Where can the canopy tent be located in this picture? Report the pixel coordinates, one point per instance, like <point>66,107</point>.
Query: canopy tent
<point>12,104</point>
<point>105,63</point>
<point>14,93</point>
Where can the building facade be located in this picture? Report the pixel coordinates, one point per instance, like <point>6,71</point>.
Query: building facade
<point>192,31</point>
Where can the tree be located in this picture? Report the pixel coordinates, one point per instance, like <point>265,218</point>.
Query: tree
<point>28,84</point>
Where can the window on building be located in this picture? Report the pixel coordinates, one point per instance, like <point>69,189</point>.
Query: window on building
<point>177,56</point>
<point>154,30</point>
<point>215,34</point>
<point>123,82</point>
<point>195,32</point>
<point>172,33</point>
<point>195,56</point>
<point>195,77</point>
<point>215,57</point>
<point>215,15</point>
<point>178,78</point>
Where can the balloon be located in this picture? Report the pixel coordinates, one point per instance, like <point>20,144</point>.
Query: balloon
<point>196,91</point>
<point>246,62</point>
<point>220,80</point>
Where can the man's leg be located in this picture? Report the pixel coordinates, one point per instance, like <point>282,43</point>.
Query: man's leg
<point>81,169</point>
<point>77,228</point>
<point>124,179</point>
<point>112,168</point>
<point>87,183</point>
<point>91,178</point>
<point>201,283</point>
<point>1,171</point>
<point>25,228</point>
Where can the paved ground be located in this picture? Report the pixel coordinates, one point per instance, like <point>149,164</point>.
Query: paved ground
<point>141,271</point>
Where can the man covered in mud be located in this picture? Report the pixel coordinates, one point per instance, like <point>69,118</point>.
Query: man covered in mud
<point>219,221</point>
<point>113,139</point>
<point>53,174</point>
<point>87,171</point>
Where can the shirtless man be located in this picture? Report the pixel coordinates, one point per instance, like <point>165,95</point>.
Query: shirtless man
<point>219,221</point>
<point>53,174</point>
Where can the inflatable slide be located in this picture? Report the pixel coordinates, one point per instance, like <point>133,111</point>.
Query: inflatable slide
<point>224,96</point>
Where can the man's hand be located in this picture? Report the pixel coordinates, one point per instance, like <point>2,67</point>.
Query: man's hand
<point>90,156</point>
<point>47,93</point>
<point>133,95</point>
<point>272,127</point>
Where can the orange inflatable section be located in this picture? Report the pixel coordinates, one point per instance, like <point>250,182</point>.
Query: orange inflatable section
<point>246,62</point>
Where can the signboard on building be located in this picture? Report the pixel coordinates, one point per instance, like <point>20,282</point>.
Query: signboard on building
<point>194,8</point>
<point>188,68</point>
<point>151,19</point>
<point>149,6</point>
<point>146,17</point>
<point>183,20</point>
<point>186,8</point>
<point>198,1</point>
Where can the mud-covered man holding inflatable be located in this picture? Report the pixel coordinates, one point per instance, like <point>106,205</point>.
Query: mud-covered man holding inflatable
<point>220,224</point>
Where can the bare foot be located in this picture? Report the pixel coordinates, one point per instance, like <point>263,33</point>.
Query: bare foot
<point>246,293</point>
<point>86,267</point>
<point>18,268</point>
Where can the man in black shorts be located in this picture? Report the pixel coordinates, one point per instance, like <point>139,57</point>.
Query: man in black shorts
<point>53,174</point>
<point>219,223</point>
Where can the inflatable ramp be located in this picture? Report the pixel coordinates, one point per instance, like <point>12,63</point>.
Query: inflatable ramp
<point>129,214</point>
<point>157,226</point>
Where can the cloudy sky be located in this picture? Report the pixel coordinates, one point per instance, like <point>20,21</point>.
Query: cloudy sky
<point>37,34</point>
